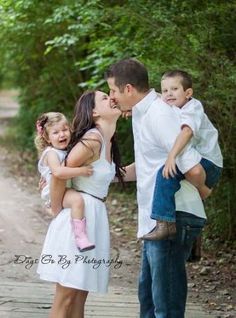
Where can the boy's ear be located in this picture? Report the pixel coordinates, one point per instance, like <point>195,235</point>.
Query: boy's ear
<point>189,93</point>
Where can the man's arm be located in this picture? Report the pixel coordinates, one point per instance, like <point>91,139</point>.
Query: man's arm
<point>130,173</point>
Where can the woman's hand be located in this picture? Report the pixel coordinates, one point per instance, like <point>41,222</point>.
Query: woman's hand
<point>126,114</point>
<point>42,183</point>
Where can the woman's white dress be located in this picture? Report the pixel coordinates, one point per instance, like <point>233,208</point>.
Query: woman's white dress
<point>60,260</point>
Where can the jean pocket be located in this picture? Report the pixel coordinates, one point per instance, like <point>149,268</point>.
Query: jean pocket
<point>189,234</point>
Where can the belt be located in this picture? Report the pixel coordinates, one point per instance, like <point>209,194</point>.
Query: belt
<point>94,196</point>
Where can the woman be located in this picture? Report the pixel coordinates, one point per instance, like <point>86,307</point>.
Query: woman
<point>77,273</point>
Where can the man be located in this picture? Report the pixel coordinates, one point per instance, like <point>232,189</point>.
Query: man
<point>162,283</point>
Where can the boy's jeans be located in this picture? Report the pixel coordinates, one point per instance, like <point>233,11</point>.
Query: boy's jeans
<point>163,282</point>
<point>163,204</point>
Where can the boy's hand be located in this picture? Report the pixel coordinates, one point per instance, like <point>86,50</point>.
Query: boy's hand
<point>169,168</point>
<point>86,171</point>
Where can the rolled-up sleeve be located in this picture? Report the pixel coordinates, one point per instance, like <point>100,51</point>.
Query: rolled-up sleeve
<point>166,128</point>
<point>191,115</point>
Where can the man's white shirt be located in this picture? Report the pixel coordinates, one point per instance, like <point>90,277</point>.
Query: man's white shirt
<point>155,128</point>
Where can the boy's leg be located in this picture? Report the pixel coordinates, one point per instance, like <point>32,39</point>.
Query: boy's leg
<point>197,177</point>
<point>213,172</point>
<point>74,200</point>
<point>163,206</point>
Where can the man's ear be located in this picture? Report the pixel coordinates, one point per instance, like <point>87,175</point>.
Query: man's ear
<point>129,88</point>
<point>189,93</point>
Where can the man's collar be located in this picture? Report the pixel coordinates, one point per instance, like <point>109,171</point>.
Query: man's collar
<point>142,106</point>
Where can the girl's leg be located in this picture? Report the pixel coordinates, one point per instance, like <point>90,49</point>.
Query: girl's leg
<point>74,200</point>
<point>77,310</point>
<point>63,301</point>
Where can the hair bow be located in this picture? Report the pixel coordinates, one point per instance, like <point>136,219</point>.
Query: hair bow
<point>39,128</point>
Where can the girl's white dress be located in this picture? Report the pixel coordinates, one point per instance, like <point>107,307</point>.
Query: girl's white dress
<point>46,173</point>
<point>60,260</point>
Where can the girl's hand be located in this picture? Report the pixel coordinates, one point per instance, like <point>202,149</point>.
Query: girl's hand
<point>169,168</point>
<point>86,171</point>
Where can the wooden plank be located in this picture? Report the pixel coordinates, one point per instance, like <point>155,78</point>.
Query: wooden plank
<point>24,300</point>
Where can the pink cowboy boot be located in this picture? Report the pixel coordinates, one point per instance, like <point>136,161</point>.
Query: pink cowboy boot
<point>81,238</point>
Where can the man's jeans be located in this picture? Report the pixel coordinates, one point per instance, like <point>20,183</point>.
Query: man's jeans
<point>163,281</point>
<point>163,205</point>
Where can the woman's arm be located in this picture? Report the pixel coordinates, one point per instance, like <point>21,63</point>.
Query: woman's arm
<point>80,154</point>
<point>85,152</point>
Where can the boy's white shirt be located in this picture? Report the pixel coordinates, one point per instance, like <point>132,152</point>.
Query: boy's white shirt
<point>155,128</point>
<point>205,135</point>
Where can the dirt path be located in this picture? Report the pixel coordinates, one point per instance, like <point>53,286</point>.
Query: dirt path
<point>21,227</point>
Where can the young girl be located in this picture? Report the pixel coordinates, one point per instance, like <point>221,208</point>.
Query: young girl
<point>53,137</point>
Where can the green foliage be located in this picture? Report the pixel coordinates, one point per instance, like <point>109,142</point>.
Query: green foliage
<point>53,50</point>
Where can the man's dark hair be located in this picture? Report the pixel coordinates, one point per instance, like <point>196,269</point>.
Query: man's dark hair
<point>186,79</point>
<point>129,71</point>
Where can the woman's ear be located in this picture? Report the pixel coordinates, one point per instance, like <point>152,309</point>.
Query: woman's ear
<point>189,93</point>
<point>95,114</point>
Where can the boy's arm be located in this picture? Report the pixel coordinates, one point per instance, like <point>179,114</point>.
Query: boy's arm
<point>165,128</point>
<point>181,141</point>
<point>63,172</point>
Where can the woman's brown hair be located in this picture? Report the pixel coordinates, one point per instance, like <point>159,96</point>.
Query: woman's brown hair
<point>83,121</point>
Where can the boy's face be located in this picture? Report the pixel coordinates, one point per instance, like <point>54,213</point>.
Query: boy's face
<point>122,99</point>
<point>173,92</point>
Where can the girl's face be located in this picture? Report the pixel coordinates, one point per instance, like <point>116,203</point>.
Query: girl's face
<point>59,135</point>
<point>105,108</point>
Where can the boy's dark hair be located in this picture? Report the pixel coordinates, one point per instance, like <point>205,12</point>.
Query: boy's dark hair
<point>186,79</point>
<point>129,71</point>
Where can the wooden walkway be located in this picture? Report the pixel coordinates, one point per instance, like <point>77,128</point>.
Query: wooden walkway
<point>33,300</point>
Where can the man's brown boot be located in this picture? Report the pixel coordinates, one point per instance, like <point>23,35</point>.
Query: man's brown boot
<point>163,231</point>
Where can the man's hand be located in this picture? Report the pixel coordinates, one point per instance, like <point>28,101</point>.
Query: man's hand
<point>169,168</point>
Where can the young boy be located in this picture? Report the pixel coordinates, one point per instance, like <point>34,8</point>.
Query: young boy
<point>196,128</point>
